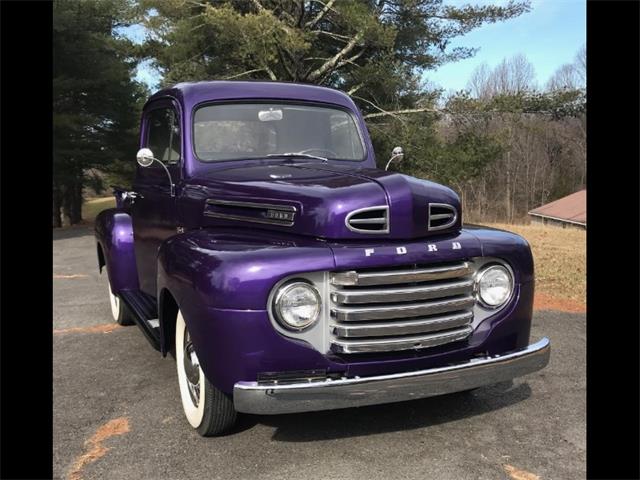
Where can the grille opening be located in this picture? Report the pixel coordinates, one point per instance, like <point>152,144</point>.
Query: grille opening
<point>401,308</point>
<point>441,216</point>
<point>369,220</point>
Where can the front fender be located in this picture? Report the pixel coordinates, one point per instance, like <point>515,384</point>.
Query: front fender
<point>114,235</point>
<point>221,283</point>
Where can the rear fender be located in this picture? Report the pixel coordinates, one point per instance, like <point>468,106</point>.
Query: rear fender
<point>114,238</point>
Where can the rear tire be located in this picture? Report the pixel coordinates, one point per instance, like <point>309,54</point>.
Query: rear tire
<point>207,409</point>
<point>120,313</point>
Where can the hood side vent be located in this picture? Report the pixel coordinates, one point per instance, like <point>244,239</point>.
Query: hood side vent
<point>441,216</point>
<point>265,213</point>
<point>369,220</point>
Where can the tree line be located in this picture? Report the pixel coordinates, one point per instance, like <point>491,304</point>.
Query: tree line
<point>503,143</point>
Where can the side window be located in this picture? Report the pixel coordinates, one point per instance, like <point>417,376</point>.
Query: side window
<point>163,134</point>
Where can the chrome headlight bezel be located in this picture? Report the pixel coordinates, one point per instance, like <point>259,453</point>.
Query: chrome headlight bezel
<point>481,273</point>
<point>280,295</point>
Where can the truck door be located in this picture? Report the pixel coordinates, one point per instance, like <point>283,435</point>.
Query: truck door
<point>154,211</point>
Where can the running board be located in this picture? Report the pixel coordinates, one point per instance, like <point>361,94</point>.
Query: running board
<point>145,313</point>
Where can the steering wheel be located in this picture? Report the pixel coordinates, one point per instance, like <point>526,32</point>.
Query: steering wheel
<point>331,153</point>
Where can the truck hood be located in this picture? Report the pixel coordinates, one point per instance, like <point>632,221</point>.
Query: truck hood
<point>318,199</point>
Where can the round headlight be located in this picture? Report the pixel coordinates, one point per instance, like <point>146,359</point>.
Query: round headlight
<point>494,286</point>
<point>297,305</point>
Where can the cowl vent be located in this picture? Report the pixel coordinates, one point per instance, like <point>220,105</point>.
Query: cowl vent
<point>441,216</point>
<point>369,220</point>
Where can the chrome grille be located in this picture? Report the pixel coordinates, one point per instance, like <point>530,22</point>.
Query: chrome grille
<point>369,220</point>
<point>400,309</point>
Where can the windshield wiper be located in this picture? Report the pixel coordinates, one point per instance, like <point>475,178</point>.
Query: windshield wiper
<point>296,155</point>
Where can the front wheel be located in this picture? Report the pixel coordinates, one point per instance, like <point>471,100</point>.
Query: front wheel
<point>119,311</point>
<point>207,409</point>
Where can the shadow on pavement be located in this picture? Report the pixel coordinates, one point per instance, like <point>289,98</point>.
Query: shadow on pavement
<point>354,422</point>
<point>72,232</point>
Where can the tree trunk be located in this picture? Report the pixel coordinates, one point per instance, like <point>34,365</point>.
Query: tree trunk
<point>76,204</point>
<point>57,208</point>
<point>73,201</point>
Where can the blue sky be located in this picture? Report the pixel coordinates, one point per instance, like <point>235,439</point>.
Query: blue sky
<point>549,36</point>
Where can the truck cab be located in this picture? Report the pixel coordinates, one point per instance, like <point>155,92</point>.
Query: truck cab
<point>262,248</point>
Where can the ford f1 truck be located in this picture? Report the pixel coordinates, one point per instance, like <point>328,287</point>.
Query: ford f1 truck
<point>261,247</point>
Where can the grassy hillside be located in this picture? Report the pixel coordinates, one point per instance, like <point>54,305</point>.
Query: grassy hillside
<point>560,257</point>
<point>91,208</point>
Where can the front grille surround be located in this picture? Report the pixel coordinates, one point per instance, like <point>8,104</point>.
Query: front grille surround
<point>437,305</point>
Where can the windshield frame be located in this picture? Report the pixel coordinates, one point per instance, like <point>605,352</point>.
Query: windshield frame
<point>250,101</point>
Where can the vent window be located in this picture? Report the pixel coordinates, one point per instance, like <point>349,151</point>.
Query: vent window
<point>441,216</point>
<point>369,220</point>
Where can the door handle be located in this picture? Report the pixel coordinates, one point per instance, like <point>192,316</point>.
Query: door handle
<point>131,197</point>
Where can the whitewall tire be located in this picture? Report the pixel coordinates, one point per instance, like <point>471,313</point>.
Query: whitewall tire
<point>207,409</point>
<point>118,310</point>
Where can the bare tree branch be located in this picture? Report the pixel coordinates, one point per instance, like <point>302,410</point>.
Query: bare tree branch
<point>337,36</point>
<point>355,88</point>
<point>248,72</point>
<point>272,75</point>
<point>333,61</point>
<point>382,111</point>
<point>314,21</point>
<point>395,113</point>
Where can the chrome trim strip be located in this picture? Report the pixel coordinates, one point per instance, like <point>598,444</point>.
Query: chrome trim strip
<point>352,278</point>
<point>358,314</point>
<point>441,216</point>
<point>249,397</point>
<point>402,294</point>
<point>403,343</point>
<point>269,206</point>
<point>409,327</point>
<point>258,206</point>
<point>386,220</point>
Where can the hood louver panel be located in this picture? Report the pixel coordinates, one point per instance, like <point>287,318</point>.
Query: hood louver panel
<point>369,220</point>
<point>441,216</point>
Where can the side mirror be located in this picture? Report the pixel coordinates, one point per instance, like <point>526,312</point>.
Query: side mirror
<point>396,154</point>
<point>145,157</point>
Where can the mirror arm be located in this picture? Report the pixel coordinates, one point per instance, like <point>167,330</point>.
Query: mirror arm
<point>391,160</point>
<point>173,187</point>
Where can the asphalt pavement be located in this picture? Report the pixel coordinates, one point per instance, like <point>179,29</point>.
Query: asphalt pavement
<point>117,411</point>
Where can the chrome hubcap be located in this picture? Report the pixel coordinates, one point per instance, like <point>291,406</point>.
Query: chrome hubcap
<point>191,367</point>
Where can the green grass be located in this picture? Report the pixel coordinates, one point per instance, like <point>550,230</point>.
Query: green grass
<point>91,208</point>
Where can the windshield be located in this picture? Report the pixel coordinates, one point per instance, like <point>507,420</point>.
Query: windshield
<point>259,130</point>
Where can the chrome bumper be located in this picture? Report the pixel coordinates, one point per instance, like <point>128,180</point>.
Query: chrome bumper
<point>249,397</point>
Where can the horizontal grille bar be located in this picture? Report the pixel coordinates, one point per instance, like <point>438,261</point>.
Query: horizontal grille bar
<point>356,314</point>
<point>408,327</point>
<point>402,294</point>
<point>352,278</point>
<point>404,343</point>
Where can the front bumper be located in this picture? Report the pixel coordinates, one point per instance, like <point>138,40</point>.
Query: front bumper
<point>249,397</point>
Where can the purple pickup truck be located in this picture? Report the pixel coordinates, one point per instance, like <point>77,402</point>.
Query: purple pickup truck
<point>263,249</point>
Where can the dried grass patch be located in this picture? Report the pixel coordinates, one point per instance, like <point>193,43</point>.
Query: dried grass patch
<point>560,256</point>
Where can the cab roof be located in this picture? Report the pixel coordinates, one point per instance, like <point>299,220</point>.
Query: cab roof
<point>190,94</point>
